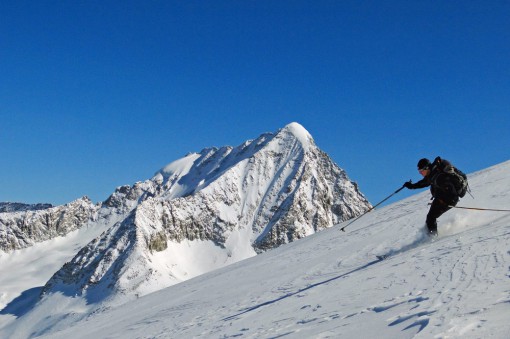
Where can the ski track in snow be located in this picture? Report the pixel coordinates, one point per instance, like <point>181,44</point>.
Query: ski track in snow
<point>415,310</point>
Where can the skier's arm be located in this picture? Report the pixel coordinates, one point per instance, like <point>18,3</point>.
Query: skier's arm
<point>420,184</point>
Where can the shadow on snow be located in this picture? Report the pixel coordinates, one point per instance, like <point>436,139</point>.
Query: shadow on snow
<point>288,295</point>
<point>24,303</point>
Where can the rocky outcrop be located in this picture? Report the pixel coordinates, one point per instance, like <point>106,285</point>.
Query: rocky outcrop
<point>28,226</point>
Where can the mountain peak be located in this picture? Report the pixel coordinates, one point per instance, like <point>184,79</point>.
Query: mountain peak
<point>224,204</point>
<point>300,133</point>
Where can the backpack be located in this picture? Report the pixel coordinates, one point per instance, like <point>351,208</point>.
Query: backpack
<point>456,176</point>
<point>460,182</point>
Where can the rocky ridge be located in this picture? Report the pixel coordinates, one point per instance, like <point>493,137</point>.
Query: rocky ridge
<point>29,224</point>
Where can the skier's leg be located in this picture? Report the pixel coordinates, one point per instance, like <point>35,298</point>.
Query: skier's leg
<point>436,210</point>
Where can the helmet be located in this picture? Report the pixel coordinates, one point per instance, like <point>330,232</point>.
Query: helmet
<point>424,163</point>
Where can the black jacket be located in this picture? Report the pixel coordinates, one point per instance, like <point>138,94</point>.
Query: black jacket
<point>440,182</point>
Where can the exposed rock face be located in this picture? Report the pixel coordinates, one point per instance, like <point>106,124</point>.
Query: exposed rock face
<point>23,225</point>
<point>30,224</point>
<point>239,201</point>
<point>276,186</point>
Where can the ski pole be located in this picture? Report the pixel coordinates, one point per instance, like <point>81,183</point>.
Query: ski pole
<point>479,209</point>
<point>373,207</point>
<point>475,208</point>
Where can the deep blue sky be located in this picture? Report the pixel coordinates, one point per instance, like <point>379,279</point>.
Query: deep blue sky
<point>98,94</point>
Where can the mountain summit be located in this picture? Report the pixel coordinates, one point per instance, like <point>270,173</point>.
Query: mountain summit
<point>210,209</point>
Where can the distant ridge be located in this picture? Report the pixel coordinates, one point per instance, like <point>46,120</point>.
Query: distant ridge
<point>6,207</point>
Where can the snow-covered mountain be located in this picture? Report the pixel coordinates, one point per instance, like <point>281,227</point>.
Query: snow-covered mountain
<point>23,225</point>
<point>198,213</point>
<point>327,285</point>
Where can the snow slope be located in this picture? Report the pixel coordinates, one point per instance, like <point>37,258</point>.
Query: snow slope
<point>329,284</point>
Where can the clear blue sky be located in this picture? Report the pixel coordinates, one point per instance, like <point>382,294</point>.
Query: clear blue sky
<point>98,94</point>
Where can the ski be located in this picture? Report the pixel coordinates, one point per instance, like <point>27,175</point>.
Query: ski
<point>419,243</point>
<point>382,256</point>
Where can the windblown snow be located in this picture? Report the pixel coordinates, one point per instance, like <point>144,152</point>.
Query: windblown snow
<point>327,285</point>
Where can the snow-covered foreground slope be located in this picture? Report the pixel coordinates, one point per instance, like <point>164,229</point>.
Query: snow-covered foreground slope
<point>330,284</point>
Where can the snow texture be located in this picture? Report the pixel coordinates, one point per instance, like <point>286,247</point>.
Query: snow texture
<point>327,285</point>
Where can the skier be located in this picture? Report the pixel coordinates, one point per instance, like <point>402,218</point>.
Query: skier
<point>437,175</point>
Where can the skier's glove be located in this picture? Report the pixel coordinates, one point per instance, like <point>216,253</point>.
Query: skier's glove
<point>408,184</point>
